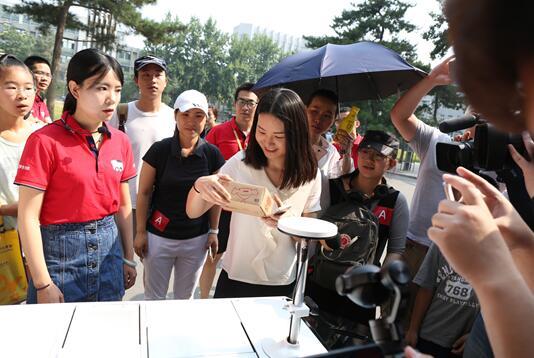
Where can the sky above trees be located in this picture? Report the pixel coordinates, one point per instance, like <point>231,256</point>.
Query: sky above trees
<point>295,17</point>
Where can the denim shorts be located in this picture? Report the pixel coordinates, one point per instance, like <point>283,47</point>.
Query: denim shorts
<point>84,260</point>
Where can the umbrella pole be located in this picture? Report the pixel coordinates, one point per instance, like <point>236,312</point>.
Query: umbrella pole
<point>372,82</point>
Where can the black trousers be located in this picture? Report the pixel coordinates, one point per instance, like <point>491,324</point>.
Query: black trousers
<point>228,288</point>
<point>224,230</point>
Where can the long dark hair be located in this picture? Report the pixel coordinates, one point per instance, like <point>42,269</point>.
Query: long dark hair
<point>86,64</point>
<point>300,163</point>
<point>491,38</point>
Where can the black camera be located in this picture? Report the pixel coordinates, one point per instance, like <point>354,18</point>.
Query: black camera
<point>487,152</point>
<point>370,286</point>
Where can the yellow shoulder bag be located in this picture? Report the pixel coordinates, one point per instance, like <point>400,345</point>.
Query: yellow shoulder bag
<point>13,282</point>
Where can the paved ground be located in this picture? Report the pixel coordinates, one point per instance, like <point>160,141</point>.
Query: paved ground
<point>403,181</point>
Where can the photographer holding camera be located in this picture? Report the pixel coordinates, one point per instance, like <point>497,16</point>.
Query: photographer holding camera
<point>483,236</point>
<point>429,186</point>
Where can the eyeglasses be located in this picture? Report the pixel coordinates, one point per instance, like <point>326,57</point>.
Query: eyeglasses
<point>13,91</point>
<point>246,103</point>
<point>42,74</point>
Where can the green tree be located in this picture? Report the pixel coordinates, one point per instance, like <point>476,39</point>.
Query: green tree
<point>380,21</point>
<point>44,43</point>
<point>250,58</point>
<point>103,19</point>
<point>130,91</point>
<point>196,59</point>
<point>446,96</point>
<point>15,42</point>
<point>21,44</point>
<point>438,34</point>
<point>206,59</point>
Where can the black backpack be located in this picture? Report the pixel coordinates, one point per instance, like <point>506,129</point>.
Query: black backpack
<point>355,244</point>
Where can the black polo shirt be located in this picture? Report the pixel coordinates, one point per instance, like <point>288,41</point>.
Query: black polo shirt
<point>175,176</point>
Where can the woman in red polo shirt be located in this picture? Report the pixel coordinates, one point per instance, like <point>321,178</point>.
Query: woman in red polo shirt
<point>73,178</point>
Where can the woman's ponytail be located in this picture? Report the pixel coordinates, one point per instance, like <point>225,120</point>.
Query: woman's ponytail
<point>70,104</point>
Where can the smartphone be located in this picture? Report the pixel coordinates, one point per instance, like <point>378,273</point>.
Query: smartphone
<point>210,253</point>
<point>451,193</point>
<point>282,209</point>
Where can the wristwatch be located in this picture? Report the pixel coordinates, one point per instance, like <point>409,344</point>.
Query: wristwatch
<point>213,231</point>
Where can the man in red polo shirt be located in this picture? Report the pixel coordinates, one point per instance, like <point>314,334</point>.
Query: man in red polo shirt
<point>42,74</point>
<point>230,137</point>
<point>343,112</point>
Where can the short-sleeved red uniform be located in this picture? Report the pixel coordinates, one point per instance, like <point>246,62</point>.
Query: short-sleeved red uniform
<point>225,136</point>
<point>40,110</point>
<point>80,183</point>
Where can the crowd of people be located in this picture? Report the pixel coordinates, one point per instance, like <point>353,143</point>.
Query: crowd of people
<point>106,180</point>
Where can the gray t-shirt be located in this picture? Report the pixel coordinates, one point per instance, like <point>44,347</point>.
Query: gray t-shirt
<point>399,226</point>
<point>454,303</point>
<point>429,186</point>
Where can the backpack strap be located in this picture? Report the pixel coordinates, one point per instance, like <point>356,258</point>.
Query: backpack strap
<point>388,199</point>
<point>338,182</point>
<point>393,194</point>
<point>122,112</point>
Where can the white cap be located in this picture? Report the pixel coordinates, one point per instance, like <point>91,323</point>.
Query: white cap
<point>191,99</point>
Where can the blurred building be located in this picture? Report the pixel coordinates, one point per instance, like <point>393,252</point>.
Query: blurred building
<point>285,42</point>
<point>73,41</point>
<point>443,113</point>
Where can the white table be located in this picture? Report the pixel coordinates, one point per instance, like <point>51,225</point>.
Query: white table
<point>195,328</point>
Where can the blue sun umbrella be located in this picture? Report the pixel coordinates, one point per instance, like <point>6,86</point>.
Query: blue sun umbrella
<point>359,71</point>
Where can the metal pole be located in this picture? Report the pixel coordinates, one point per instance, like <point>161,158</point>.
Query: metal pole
<point>298,296</point>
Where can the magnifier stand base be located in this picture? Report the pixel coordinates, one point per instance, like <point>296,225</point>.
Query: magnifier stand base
<point>297,311</point>
<point>280,349</point>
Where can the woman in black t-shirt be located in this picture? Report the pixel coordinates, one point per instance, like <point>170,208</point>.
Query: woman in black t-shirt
<point>165,236</point>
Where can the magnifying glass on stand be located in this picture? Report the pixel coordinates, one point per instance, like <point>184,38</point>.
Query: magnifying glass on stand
<point>307,229</point>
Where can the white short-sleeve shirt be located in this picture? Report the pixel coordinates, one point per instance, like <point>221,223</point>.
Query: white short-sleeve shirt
<point>10,154</point>
<point>143,130</point>
<point>331,167</point>
<point>257,253</point>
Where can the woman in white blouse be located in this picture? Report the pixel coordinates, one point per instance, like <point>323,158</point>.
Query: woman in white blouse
<point>259,260</point>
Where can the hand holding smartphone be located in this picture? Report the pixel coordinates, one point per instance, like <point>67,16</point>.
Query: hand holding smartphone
<point>451,193</point>
<point>282,209</point>
<point>210,253</point>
